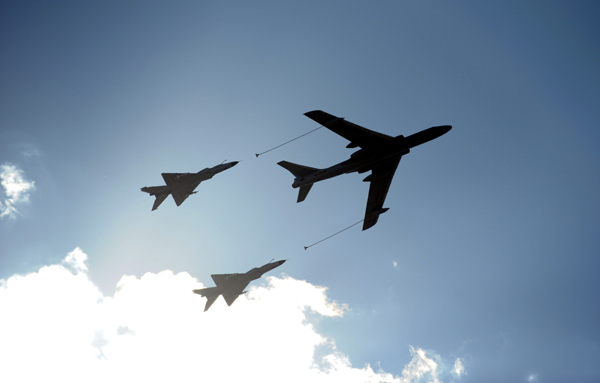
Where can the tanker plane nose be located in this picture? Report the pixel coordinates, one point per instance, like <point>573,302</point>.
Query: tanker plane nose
<point>444,129</point>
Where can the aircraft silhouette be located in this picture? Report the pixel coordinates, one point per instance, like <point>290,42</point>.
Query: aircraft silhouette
<point>182,185</point>
<point>379,153</point>
<point>232,286</point>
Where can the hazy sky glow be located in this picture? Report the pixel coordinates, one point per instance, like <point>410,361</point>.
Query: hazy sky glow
<point>483,270</point>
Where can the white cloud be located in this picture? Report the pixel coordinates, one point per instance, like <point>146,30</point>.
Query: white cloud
<point>459,368</point>
<point>16,189</point>
<point>56,322</point>
<point>421,368</point>
<point>75,261</point>
<point>426,366</point>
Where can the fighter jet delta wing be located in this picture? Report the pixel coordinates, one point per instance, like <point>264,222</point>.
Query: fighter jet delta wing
<point>172,178</point>
<point>381,179</point>
<point>232,285</point>
<point>222,280</point>
<point>159,199</point>
<point>231,295</point>
<point>357,135</point>
<point>181,195</point>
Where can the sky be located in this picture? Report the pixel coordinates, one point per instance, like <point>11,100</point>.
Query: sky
<point>484,268</point>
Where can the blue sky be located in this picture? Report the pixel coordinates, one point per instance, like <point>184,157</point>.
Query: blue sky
<point>488,256</point>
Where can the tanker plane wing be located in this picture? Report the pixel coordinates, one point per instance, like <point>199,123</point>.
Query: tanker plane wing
<point>378,153</point>
<point>231,286</point>
<point>182,185</point>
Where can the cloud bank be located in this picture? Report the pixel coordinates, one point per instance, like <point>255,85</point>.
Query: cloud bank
<point>56,323</point>
<point>16,189</point>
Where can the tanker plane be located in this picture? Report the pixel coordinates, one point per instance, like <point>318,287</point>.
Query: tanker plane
<point>378,153</point>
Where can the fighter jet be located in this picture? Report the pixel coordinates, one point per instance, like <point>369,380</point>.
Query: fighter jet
<point>232,286</point>
<point>379,153</point>
<point>182,185</point>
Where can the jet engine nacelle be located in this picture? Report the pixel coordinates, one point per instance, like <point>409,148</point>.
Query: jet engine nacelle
<point>381,211</point>
<point>370,177</point>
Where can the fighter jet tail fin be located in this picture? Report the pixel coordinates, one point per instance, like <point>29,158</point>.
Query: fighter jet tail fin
<point>159,199</point>
<point>158,192</point>
<point>152,190</point>
<point>211,295</point>
<point>210,301</point>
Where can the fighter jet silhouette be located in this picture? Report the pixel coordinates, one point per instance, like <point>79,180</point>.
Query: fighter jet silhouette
<point>182,185</point>
<point>232,286</point>
<point>379,153</point>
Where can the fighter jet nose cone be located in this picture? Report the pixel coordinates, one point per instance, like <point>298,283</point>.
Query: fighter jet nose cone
<point>282,261</point>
